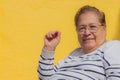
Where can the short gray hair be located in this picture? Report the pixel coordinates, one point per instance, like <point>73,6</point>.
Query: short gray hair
<point>88,8</point>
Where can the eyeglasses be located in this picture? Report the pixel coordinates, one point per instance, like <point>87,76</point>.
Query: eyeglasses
<point>92,28</point>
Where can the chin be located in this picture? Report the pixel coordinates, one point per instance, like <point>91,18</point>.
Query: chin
<point>89,46</point>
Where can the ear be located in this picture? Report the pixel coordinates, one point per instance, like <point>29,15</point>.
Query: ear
<point>104,27</point>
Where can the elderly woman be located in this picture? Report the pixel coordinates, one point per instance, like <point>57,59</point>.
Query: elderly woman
<point>96,59</point>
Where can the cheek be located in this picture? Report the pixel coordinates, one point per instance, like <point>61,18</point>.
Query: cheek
<point>100,38</point>
<point>80,38</point>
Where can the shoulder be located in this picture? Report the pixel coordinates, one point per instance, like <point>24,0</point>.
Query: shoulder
<point>112,51</point>
<point>110,45</point>
<point>77,52</point>
<point>113,43</point>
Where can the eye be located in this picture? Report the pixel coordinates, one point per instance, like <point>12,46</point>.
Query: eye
<point>93,27</point>
<point>81,28</point>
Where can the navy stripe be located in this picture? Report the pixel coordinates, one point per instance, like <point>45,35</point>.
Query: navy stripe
<point>95,72</point>
<point>104,58</point>
<point>90,71</point>
<point>83,65</point>
<point>46,58</point>
<point>55,68</point>
<point>113,68</point>
<point>93,60</point>
<point>97,54</point>
<point>65,62</point>
<point>45,63</point>
<point>45,69</point>
<point>69,57</point>
<point>117,76</point>
<point>84,75</point>
<point>81,57</point>
<point>101,51</point>
<point>44,74</point>
<point>85,60</point>
<point>106,61</point>
<point>40,78</point>
<point>68,76</point>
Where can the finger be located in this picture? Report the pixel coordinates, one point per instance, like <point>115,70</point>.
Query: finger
<point>58,35</point>
<point>54,34</point>
<point>49,36</point>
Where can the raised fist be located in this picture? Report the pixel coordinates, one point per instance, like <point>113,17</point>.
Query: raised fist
<point>51,40</point>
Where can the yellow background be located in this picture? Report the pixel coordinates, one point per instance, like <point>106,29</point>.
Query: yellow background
<point>23,24</point>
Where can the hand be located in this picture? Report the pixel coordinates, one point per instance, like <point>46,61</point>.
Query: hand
<point>51,40</point>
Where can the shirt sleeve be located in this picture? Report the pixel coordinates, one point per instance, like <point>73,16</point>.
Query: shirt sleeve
<point>112,58</point>
<point>48,71</point>
<point>46,66</point>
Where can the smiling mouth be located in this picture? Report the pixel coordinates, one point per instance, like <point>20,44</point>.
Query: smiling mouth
<point>88,39</point>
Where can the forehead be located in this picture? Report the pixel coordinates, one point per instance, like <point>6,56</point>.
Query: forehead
<point>88,17</point>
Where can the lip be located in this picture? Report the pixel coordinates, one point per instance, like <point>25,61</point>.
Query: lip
<point>88,39</point>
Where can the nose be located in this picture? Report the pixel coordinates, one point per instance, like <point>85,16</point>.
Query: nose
<point>87,32</point>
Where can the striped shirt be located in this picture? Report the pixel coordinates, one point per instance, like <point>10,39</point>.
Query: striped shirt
<point>101,64</point>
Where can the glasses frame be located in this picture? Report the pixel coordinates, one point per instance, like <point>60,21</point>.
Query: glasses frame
<point>81,29</point>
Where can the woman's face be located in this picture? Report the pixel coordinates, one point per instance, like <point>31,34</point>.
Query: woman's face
<point>91,34</point>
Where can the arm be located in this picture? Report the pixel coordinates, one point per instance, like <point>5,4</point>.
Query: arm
<point>113,72</point>
<point>112,55</point>
<point>46,68</point>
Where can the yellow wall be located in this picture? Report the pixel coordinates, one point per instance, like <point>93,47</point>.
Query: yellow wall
<point>23,24</point>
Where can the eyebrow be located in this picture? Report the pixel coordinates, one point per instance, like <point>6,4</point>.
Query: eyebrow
<point>88,24</point>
